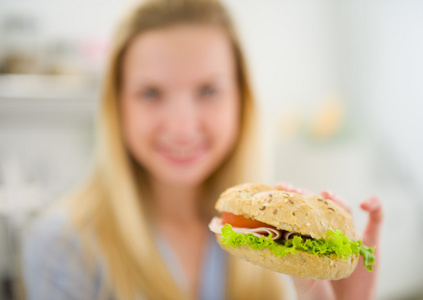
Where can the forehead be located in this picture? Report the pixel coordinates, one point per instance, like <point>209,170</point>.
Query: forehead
<point>180,53</point>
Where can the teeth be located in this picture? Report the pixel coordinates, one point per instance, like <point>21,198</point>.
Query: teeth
<point>182,152</point>
<point>179,153</point>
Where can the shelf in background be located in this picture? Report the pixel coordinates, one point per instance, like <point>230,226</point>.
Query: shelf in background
<point>41,97</point>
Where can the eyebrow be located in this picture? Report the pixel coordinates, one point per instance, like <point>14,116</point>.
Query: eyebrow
<point>151,80</point>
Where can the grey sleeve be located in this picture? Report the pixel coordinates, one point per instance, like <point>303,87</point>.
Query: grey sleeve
<point>53,264</point>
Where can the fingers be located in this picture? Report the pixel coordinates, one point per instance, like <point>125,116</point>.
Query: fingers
<point>288,187</point>
<point>335,198</point>
<point>372,232</point>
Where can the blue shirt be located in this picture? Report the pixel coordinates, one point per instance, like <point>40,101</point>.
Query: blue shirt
<point>55,268</point>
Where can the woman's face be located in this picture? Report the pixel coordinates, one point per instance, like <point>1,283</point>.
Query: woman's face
<point>180,102</point>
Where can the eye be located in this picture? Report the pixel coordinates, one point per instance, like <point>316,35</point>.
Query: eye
<point>207,91</point>
<point>150,94</point>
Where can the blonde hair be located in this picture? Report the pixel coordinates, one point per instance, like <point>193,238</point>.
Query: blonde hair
<point>112,205</point>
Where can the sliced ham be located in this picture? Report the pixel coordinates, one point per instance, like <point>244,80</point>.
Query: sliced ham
<point>216,226</point>
<point>289,234</point>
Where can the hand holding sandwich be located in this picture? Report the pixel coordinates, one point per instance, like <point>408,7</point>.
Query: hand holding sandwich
<point>310,237</point>
<point>361,284</point>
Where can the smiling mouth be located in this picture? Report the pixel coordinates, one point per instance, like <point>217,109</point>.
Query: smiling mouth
<point>183,155</point>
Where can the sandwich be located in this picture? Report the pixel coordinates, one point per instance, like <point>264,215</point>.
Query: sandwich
<point>305,236</point>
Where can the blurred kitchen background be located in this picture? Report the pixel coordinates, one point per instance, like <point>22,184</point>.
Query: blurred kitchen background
<point>340,89</point>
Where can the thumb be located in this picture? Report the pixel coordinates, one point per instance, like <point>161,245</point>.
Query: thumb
<point>371,234</point>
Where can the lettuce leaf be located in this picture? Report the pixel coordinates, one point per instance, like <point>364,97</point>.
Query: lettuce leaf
<point>334,243</point>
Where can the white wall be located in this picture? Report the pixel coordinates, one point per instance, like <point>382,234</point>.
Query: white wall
<point>385,62</point>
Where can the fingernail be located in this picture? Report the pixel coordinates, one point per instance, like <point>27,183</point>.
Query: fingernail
<point>330,193</point>
<point>372,204</point>
<point>367,204</point>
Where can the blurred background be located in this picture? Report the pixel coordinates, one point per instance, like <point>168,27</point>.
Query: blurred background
<point>340,92</point>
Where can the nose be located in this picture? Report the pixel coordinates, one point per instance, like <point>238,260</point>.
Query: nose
<point>182,121</point>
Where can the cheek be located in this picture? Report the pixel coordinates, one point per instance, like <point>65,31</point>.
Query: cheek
<point>224,123</point>
<point>137,128</point>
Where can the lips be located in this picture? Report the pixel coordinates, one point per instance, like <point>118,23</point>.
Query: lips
<point>182,154</point>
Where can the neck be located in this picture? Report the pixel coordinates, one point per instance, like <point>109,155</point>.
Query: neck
<point>175,203</point>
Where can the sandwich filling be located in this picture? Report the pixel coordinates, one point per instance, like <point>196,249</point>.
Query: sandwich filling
<point>239,231</point>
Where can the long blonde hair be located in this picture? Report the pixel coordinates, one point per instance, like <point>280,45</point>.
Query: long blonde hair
<point>112,205</point>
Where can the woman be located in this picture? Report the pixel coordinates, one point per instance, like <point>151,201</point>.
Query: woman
<point>176,127</point>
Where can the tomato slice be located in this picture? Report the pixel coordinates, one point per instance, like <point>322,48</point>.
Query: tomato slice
<point>240,221</point>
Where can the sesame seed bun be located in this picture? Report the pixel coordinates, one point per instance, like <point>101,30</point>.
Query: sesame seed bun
<point>306,214</point>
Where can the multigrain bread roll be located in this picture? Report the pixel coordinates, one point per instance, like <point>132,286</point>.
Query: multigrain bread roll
<point>300,235</point>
